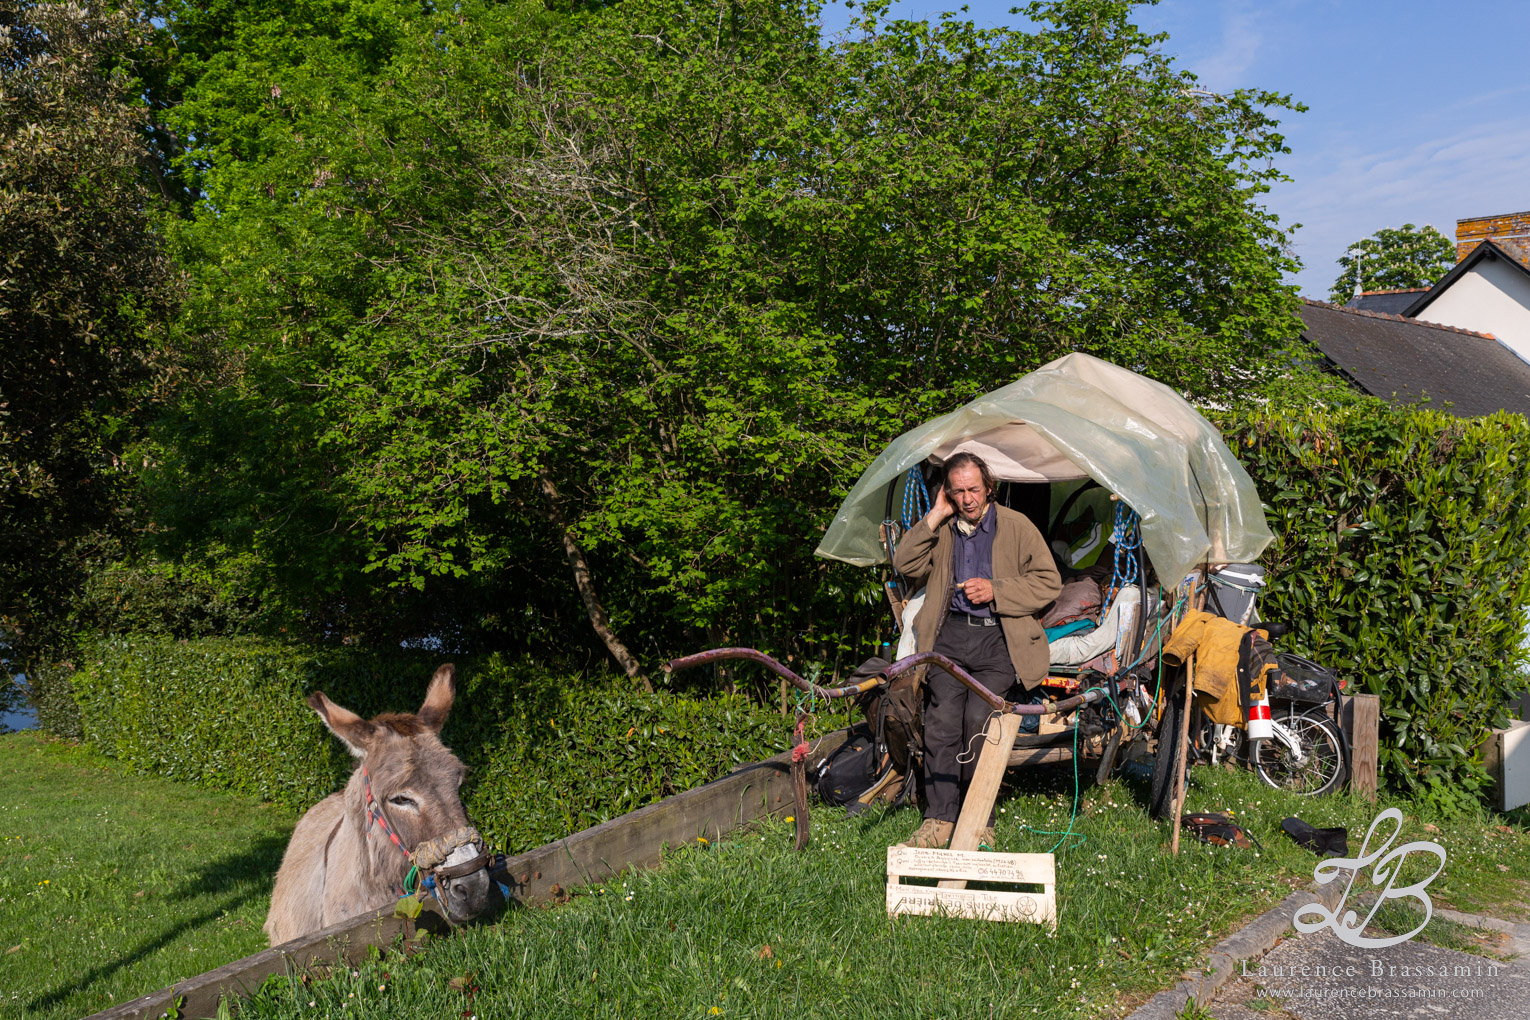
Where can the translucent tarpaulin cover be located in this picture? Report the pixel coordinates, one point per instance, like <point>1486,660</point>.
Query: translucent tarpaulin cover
<point>1082,417</point>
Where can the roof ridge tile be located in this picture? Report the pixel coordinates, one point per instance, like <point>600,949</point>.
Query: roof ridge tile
<point>1398,318</point>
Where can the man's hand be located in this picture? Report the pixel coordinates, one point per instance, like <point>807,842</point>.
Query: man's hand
<point>979,590</point>
<point>940,511</point>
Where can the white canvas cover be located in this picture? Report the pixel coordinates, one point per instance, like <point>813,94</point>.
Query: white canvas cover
<point>1082,417</point>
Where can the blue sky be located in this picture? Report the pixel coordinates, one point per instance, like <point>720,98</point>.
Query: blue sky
<point>1419,112</point>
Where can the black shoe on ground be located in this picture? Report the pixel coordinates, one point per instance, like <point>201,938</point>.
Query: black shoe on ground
<point>1328,842</point>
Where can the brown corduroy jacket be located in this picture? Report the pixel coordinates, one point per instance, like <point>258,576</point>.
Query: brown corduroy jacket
<point>1025,580</point>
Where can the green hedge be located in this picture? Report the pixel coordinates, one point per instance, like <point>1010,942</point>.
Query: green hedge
<point>547,753</point>
<point>49,691</point>
<point>1402,560</point>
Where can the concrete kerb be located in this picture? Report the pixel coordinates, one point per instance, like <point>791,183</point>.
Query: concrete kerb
<point>1251,941</point>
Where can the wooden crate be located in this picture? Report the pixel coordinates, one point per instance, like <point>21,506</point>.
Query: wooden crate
<point>973,866</point>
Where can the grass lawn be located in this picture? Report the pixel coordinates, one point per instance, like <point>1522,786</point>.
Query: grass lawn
<point>116,885</point>
<point>113,885</point>
<point>747,928</point>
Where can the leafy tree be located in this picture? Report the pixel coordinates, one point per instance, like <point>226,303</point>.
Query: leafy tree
<point>597,316</point>
<point>83,281</point>
<point>1394,259</point>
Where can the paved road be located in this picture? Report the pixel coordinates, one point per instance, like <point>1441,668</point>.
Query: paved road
<point>1318,977</point>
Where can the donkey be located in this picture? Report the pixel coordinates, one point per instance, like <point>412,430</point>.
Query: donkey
<point>352,852</point>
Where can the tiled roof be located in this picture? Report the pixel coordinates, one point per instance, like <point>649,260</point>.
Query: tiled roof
<point>1394,301</point>
<point>1405,360</point>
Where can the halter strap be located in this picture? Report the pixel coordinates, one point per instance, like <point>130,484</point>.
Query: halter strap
<point>433,852</point>
<point>375,813</point>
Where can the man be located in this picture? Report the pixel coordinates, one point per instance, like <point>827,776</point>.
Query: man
<point>987,571</point>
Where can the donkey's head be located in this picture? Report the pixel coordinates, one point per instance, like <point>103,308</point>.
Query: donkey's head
<point>409,790</point>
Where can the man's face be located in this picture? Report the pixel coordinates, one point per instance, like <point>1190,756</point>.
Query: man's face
<point>965,490</point>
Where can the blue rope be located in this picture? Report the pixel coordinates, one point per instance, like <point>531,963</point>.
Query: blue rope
<point>1126,536</point>
<point>916,498</point>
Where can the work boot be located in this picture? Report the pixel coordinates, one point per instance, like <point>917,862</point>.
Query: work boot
<point>932,833</point>
<point>986,839</point>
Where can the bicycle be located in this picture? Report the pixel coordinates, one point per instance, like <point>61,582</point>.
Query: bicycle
<point>1308,754</point>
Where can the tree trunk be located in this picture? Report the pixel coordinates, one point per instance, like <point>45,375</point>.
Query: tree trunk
<point>586,585</point>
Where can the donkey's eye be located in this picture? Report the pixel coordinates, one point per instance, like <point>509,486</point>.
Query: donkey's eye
<point>399,800</point>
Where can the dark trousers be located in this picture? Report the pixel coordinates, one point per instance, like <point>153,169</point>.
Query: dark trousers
<point>955,718</point>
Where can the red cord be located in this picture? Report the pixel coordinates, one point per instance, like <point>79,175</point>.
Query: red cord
<point>800,751</point>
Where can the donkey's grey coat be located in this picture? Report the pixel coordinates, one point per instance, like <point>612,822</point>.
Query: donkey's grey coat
<point>333,868</point>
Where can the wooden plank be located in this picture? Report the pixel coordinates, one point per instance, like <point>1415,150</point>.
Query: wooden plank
<point>636,839</point>
<point>1177,777</point>
<point>983,791</point>
<point>1040,755</point>
<point>978,904</point>
<point>975,866</point>
<point>343,944</point>
<point>1362,721</point>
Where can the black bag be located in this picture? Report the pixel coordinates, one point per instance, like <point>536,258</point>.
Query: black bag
<point>853,771</point>
<point>895,713</point>
<point>1302,680</point>
<point>879,759</point>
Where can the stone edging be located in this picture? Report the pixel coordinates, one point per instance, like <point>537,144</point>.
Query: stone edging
<point>1251,941</point>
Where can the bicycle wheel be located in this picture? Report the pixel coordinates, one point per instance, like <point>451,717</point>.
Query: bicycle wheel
<point>1161,796</point>
<point>1319,768</point>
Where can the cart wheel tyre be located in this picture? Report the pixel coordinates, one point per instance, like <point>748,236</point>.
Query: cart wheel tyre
<point>1161,798</point>
<point>1321,768</point>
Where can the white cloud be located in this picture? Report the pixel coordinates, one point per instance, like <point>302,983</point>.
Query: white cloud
<point>1226,67</point>
<point>1345,192</point>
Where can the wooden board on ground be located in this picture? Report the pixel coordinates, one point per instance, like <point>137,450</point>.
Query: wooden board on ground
<point>1040,755</point>
<point>972,866</point>
<point>636,839</point>
<point>341,945</point>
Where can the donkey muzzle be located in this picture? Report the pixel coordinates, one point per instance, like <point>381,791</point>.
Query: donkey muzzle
<point>459,863</point>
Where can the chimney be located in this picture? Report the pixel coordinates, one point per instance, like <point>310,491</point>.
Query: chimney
<point>1510,230</point>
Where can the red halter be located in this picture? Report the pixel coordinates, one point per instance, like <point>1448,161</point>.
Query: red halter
<point>375,813</point>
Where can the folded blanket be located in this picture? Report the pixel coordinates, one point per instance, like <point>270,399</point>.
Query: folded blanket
<point>1078,600</point>
<point>1063,630</point>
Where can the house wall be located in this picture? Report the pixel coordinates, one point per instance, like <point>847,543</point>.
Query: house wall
<point>1493,297</point>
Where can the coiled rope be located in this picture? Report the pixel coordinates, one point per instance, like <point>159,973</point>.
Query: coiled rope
<point>1126,536</point>
<point>916,498</point>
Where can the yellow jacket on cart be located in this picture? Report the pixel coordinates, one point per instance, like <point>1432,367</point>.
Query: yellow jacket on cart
<point>1227,655</point>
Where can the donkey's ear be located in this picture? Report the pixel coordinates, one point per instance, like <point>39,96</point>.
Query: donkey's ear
<point>438,699</point>
<point>354,731</point>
